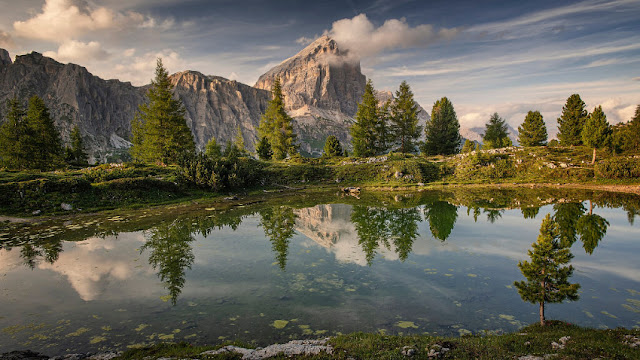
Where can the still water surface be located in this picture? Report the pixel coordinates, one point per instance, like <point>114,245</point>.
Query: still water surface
<point>272,272</point>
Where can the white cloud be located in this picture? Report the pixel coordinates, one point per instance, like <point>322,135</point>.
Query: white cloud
<point>304,41</point>
<point>636,78</point>
<point>62,20</point>
<point>129,52</point>
<point>361,37</point>
<point>141,69</point>
<point>6,41</point>
<point>79,52</point>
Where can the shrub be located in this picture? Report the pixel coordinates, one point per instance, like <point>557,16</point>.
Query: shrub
<point>220,174</point>
<point>618,168</point>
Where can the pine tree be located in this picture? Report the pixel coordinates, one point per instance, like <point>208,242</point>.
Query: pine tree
<point>384,137</point>
<point>212,149</point>
<point>633,142</point>
<point>238,141</point>
<point>547,278</point>
<point>363,131</point>
<point>533,131</point>
<point>495,134</point>
<point>468,146</point>
<point>15,137</point>
<point>404,119</point>
<point>442,130</point>
<point>45,145</point>
<point>571,122</point>
<point>75,153</point>
<point>160,131</point>
<point>332,147</point>
<point>264,149</point>
<point>277,126</point>
<point>596,132</point>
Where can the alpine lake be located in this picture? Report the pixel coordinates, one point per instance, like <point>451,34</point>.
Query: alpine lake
<point>310,265</point>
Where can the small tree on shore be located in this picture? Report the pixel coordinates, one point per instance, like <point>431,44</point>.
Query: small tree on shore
<point>596,132</point>
<point>571,122</point>
<point>213,149</point>
<point>547,278</point>
<point>404,119</point>
<point>75,153</point>
<point>277,126</point>
<point>332,147</point>
<point>442,133</point>
<point>264,149</point>
<point>495,134</point>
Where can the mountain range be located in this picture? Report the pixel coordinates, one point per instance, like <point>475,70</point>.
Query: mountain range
<point>322,87</point>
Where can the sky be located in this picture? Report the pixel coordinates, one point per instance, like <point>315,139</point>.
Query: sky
<point>486,56</point>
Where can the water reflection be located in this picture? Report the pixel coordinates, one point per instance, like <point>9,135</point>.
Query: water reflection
<point>278,225</point>
<point>441,216</point>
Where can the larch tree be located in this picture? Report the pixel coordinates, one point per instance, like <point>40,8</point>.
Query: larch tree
<point>533,131</point>
<point>571,121</point>
<point>404,119</point>
<point>264,149</point>
<point>363,132</point>
<point>547,277</point>
<point>442,130</point>
<point>213,149</point>
<point>277,126</point>
<point>75,153</point>
<point>15,137</point>
<point>45,147</point>
<point>596,132</point>
<point>160,131</point>
<point>468,146</point>
<point>495,134</point>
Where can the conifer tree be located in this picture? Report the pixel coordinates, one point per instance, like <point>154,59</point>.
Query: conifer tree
<point>533,131</point>
<point>495,134</point>
<point>547,278</point>
<point>45,147</point>
<point>596,132</point>
<point>15,137</point>
<point>264,149</point>
<point>212,149</point>
<point>75,153</point>
<point>442,130</point>
<point>468,146</point>
<point>633,142</point>
<point>332,147</point>
<point>238,141</point>
<point>384,137</point>
<point>571,122</point>
<point>363,131</point>
<point>277,126</point>
<point>404,119</point>
<point>160,131</point>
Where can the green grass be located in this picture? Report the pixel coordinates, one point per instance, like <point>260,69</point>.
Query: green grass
<point>584,343</point>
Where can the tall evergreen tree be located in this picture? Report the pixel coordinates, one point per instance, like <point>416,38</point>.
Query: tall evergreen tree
<point>495,133</point>
<point>533,131</point>
<point>547,278</point>
<point>238,141</point>
<point>633,142</point>
<point>468,146</point>
<point>160,131</point>
<point>363,132</point>
<point>75,152</point>
<point>45,145</point>
<point>384,137</point>
<point>596,132</point>
<point>571,122</point>
<point>15,137</point>
<point>332,147</point>
<point>212,149</point>
<point>277,126</point>
<point>442,130</point>
<point>404,119</point>
<point>264,149</point>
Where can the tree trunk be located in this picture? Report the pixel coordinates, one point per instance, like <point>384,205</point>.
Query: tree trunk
<point>593,161</point>
<point>542,313</point>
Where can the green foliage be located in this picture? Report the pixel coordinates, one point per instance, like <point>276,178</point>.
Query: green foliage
<point>212,149</point>
<point>571,121</point>
<point>554,143</point>
<point>30,140</point>
<point>547,278</point>
<point>277,126</point>
<point>160,132</point>
<point>468,146</point>
<point>264,149</point>
<point>332,147</point>
<point>442,130</point>
<point>591,228</point>
<point>404,120</point>
<point>495,134</point>
<point>533,131</point>
<point>596,132</point>
<point>75,153</point>
<point>618,168</point>
<point>238,141</point>
<point>483,166</point>
<point>220,174</point>
<point>442,217</point>
<point>364,130</point>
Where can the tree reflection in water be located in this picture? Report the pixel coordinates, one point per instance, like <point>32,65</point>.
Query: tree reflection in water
<point>442,217</point>
<point>278,225</point>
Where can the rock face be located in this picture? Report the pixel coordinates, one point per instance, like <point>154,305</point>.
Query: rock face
<point>5,59</point>
<point>322,87</point>
<point>102,109</point>
<point>217,106</point>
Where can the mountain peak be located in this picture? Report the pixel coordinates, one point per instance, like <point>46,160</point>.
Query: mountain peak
<point>5,58</point>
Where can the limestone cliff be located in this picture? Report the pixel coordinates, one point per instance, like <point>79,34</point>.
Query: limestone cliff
<point>5,59</point>
<point>322,87</point>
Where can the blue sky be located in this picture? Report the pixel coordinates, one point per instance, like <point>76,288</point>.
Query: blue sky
<point>486,56</point>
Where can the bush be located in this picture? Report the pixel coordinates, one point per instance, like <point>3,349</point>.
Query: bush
<point>618,168</point>
<point>220,174</point>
